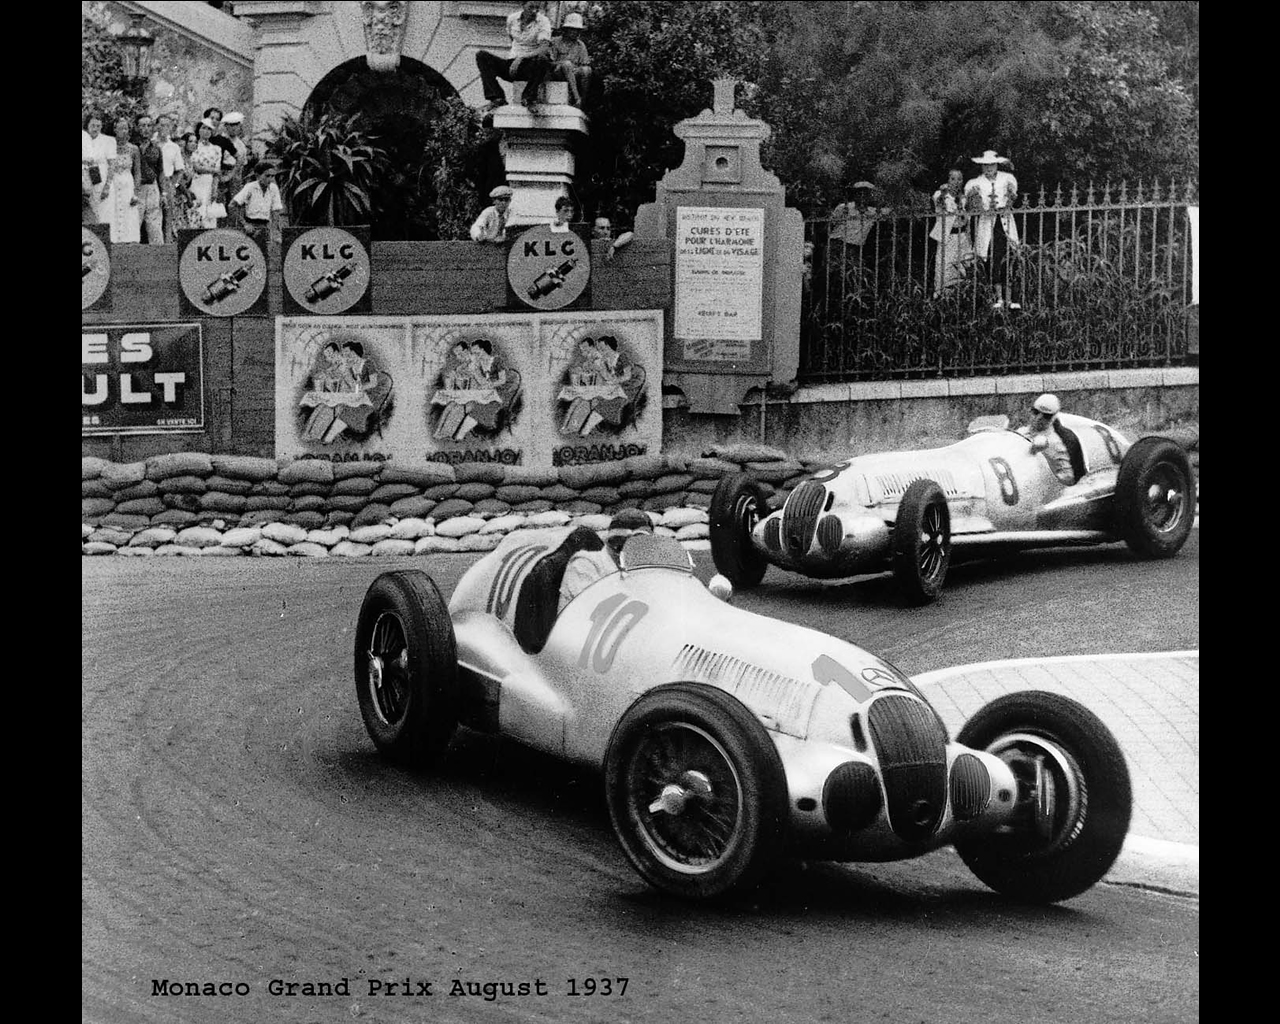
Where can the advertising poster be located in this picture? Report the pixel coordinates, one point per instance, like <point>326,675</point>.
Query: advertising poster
<point>719,282</point>
<point>141,379</point>
<point>221,272</point>
<point>543,390</point>
<point>326,270</point>
<point>95,267</point>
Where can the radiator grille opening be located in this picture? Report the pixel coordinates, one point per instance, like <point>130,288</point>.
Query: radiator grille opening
<point>800,516</point>
<point>912,746</point>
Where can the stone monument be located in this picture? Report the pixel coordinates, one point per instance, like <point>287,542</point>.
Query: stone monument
<point>735,323</point>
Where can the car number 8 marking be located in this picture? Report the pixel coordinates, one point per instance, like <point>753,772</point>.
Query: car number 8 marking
<point>1004,477</point>
<point>610,625</point>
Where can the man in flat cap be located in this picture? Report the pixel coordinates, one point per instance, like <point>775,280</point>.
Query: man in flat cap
<point>491,225</point>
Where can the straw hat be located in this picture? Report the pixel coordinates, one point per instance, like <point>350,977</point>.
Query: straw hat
<point>989,156</point>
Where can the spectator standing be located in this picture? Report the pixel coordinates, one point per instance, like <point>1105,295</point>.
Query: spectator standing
<point>853,236</point>
<point>172,166</point>
<point>569,58</point>
<point>491,225</point>
<point>527,61</point>
<point>120,208</point>
<point>565,210</point>
<point>603,230</point>
<point>260,199</point>
<point>206,166</point>
<point>239,175</point>
<point>96,151</point>
<point>151,160</point>
<point>951,232</point>
<point>991,196</point>
<point>185,203</point>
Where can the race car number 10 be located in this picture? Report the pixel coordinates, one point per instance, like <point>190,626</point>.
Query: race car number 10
<point>611,620</point>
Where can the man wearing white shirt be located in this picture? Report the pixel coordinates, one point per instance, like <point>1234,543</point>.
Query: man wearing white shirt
<point>172,163</point>
<point>991,195</point>
<point>260,199</point>
<point>527,61</point>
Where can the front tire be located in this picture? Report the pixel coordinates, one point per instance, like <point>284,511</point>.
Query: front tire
<point>1074,797</point>
<point>406,667</point>
<point>1155,497</point>
<point>922,542</point>
<point>737,504</point>
<point>696,791</point>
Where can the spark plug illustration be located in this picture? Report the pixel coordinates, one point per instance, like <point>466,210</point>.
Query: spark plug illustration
<point>324,286</point>
<point>225,285</point>
<point>549,280</point>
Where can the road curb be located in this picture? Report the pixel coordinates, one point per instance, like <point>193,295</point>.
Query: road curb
<point>1157,864</point>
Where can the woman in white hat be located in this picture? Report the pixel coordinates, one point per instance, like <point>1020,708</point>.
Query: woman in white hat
<point>991,195</point>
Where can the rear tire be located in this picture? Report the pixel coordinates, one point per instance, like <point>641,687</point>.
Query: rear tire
<point>1076,805</point>
<point>406,667</point>
<point>737,504</point>
<point>1155,497</point>
<point>922,542</point>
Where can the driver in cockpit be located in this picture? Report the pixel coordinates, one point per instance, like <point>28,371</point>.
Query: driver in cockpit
<point>587,566</point>
<point>1051,438</point>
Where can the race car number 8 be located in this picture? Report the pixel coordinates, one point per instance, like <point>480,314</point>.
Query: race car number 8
<point>1004,477</point>
<point>610,625</point>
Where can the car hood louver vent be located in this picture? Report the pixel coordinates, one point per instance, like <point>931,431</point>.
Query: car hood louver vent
<point>892,486</point>
<point>787,701</point>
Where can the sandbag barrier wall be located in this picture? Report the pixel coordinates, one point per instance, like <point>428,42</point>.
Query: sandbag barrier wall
<point>191,503</point>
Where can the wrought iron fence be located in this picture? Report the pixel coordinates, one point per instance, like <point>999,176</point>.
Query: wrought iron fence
<point>1098,280</point>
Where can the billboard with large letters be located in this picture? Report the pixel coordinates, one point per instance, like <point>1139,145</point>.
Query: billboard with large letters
<point>141,379</point>
<point>542,389</point>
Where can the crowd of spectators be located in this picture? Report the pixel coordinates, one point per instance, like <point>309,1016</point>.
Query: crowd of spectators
<point>148,184</point>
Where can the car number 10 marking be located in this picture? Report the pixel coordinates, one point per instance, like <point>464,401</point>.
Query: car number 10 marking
<point>610,625</point>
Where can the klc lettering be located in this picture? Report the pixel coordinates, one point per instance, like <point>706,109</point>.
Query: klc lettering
<point>345,251</point>
<point>548,248</point>
<point>204,254</point>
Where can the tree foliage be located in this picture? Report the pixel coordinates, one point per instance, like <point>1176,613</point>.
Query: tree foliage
<point>897,92</point>
<point>102,79</point>
<point>329,169</point>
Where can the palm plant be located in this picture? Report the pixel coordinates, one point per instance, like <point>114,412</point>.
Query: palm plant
<point>329,169</point>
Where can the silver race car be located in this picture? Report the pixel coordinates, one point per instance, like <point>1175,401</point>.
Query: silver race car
<point>728,740</point>
<point>907,511</point>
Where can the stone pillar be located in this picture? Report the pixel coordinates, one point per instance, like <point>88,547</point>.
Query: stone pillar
<point>735,323</point>
<point>537,152</point>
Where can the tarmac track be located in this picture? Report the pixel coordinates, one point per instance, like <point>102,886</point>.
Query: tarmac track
<point>238,827</point>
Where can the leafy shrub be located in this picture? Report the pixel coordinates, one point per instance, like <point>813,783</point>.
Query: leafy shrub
<point>329,169</point>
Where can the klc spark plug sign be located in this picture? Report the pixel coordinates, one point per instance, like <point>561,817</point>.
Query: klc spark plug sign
<point>221,273</point>
<point>549,269</point>
<point>326,271</point>
<point>141,379</point>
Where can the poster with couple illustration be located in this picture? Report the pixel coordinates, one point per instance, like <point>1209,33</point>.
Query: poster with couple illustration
<point>512,389</point>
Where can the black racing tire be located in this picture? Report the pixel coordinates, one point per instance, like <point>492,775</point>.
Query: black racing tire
<point>922,542</point>
<point>1070,828</point>
<point>406,668</point>
<point>737,504</point>
<point>1155,497</point>
<point>702,755</point>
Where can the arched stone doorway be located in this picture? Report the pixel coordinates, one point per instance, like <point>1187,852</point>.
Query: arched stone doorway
<point>405,108</point>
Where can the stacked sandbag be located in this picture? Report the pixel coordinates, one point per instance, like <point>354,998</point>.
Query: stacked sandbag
<point>315,508</point>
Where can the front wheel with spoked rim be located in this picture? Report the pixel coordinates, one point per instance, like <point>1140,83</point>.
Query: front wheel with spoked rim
<point>406,667</point>
<point>1073,801</point>
<point>922,541</point>
<point>696,791</point>
<point>1155,497</point>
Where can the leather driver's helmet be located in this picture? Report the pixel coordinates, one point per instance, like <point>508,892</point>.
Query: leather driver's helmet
<point>623,525</point>
<point>1047,404</point>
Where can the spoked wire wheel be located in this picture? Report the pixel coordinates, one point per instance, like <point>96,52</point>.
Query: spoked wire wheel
<point>687,799</point>
<point>406,667</point>
<point>696,790</point>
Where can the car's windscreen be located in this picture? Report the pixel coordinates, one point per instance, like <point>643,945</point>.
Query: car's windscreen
<point>644,550</point>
